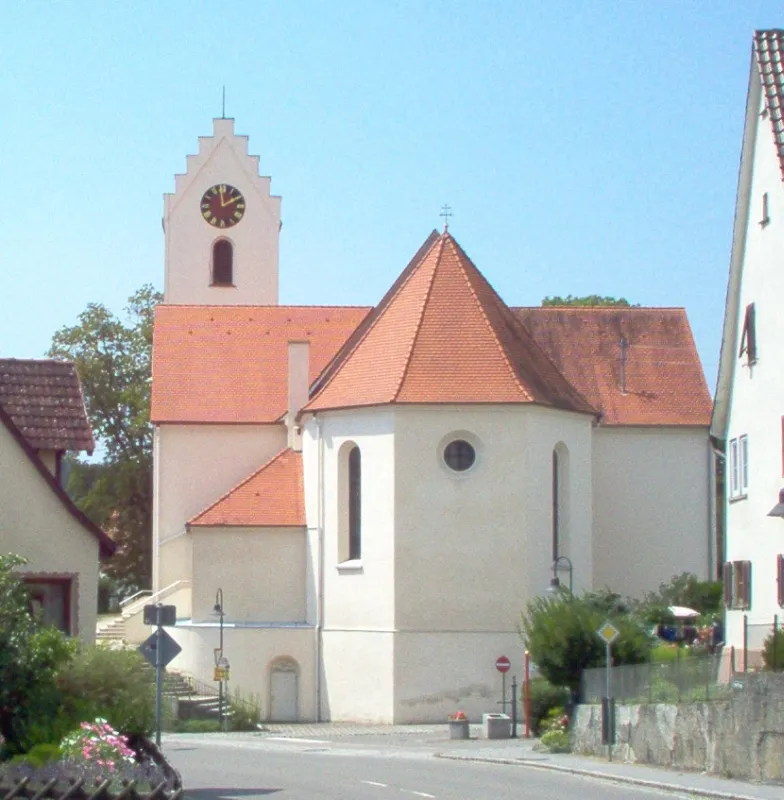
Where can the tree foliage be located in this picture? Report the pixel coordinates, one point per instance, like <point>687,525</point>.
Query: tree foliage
<point>560,634</point>
<point>113,358</point>
<point>686,590</point>
<point>30,656</point>
<point>588,300</point>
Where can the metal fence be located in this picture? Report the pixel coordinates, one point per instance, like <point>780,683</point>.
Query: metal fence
<point>684,679</point>
<point>760,638</point>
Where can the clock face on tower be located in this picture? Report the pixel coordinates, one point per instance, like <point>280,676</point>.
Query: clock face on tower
<point>222,206</point>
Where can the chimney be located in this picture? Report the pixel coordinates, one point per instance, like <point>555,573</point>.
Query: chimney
<point>299,388</point>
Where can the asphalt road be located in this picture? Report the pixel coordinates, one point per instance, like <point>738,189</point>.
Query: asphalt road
<point>217,768</point>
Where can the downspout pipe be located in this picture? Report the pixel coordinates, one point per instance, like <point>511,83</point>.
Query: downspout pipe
<point>320,566</point>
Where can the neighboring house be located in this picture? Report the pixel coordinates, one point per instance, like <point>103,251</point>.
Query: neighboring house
<point>748,420</point>
<point>42,416</point>
<point>371,495</point>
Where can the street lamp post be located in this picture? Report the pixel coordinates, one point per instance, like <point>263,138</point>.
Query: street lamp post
<point>218,609</point>
<point>555,582</point>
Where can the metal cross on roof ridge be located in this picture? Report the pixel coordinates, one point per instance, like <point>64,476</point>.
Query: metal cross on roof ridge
<point>446,212</point>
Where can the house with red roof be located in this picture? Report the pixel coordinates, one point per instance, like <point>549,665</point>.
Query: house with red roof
<point>748,420</point>
<point>353,505</point>
<point>42,416</point>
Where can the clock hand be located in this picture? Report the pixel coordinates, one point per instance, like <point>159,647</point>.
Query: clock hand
<point>233,200</point>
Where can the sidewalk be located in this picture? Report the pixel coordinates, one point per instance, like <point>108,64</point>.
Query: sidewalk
<point>521,753</point>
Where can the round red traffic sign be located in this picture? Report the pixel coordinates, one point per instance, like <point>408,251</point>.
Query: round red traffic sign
<point>502,664</point>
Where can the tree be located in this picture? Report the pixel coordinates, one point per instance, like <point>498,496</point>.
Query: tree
<point>686,590</point>
<point>113,358</point>
<point>588,300</point>
<point>560,635</point>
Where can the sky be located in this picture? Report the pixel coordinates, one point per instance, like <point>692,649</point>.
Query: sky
<point>583,147</point>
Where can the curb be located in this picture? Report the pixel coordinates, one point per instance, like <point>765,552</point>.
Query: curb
<point>605,776</point>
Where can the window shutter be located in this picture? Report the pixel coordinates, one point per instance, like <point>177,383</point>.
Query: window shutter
<point>748,342</point>
<point>744,587</point>
<point>734,471</point>
<point>728,584</point>
<point>780,578</point>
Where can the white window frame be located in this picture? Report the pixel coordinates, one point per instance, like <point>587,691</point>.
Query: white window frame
<point>739,467</point>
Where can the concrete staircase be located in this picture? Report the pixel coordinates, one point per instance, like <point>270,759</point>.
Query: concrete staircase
<point>110,631</point>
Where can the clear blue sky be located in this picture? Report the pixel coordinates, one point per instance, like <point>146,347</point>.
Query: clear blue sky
<point>585,147</point>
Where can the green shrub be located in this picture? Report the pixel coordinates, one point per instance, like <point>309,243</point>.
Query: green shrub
<point>556,741</point>
<point>244,712</point>
<point>544,698</point>
<point>773,652</point>
<point>560,634</point>
<point>38,755</point>
<point>115,685</point>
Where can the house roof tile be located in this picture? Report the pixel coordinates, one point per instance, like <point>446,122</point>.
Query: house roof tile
<point>44,399</point>
<point>229,364</point>
<point>443,335</point>
<point>273,496</point>
<point>769,50</point>
<point>664,381</point>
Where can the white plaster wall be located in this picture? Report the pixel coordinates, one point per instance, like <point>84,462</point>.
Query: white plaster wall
<point>222,158</point>
<point>194,466</point>
<point>358,669</point>
<point>359,597</point>
<point>35,524</point>
<point>437,674</point>
<point>260,570</point>
<point>252,652</point>
<point>472,548</point>
<point>756,407</point>
<point>650,506</point>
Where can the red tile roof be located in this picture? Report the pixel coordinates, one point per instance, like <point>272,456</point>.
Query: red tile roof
<point>273,496</point>
<point>769,51</point>
<point>44,399</point>
<point>106,546</point>
<point>665,384</point>
<point>228,364</point>
<point>443,335</point>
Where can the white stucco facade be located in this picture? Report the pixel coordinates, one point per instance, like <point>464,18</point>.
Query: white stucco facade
<point>749,396</point>
<point>651,496</point>
<point>35,524</point>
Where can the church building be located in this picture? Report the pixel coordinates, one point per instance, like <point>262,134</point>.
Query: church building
<point>357,502</point>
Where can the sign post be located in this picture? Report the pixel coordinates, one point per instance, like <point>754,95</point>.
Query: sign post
<point>527,693</point>
<point>159,649</point>
<point>502,664</point>
<point>608,633</point>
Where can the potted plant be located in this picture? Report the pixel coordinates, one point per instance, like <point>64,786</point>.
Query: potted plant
<point>458,725</point>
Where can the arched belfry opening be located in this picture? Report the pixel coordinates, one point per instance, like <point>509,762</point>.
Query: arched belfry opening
<point>222,263</point>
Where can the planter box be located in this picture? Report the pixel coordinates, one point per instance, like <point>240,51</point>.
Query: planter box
<point>497,726</point>
<point>458,729</point>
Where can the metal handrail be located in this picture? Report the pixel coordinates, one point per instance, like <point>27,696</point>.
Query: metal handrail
<point>134,596</point>
<point>135,608</point>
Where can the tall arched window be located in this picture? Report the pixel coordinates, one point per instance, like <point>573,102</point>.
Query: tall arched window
<point>560,478</point>
<point>222,263</point>
<point>354,504</point>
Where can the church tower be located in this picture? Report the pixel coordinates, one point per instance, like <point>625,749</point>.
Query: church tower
<point>221,227</point>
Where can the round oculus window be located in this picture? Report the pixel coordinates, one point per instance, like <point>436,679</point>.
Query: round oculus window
<point>459,455</point>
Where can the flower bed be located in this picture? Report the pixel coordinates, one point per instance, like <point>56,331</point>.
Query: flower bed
<point>94,762</point>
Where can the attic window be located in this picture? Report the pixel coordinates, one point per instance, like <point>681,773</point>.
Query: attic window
<point>765,210</point>
<point>748,341</point>
<point>222,263</point>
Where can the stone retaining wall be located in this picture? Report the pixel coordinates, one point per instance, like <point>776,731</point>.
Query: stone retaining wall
<point>742,737</point>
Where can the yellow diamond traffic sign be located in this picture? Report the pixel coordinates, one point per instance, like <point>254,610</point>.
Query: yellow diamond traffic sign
<point>608,632</point>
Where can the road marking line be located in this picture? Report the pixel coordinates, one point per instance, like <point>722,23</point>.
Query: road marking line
<point>291,739</point>
<point>418,794</point>
<point>374,783</point>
